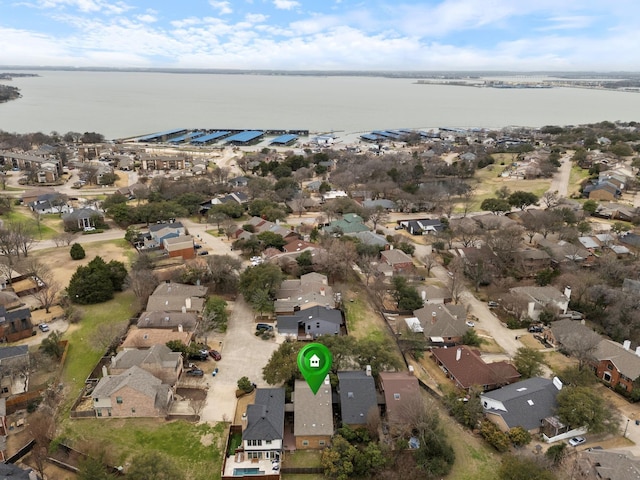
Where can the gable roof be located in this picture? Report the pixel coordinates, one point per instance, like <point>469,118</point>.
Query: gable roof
<point>357,396</point>
<point>13,352</point>
<point>312,314</point>
<point>468,369</point>
<point>310,290</point>
<point>566,328</point>
<point>442,321</point>
<point>81,213</point>
<point>626,361</point>
<point>147,337</point>
<point>542,295</point>
<point>526,402</point>
<point>400,390</point>
<point>137,379</point>
<point>312,414</point>
<point>171,226</point>
<point>164,320</point>
<point>349,223</point>
<point>158,355</point>
<point>395,257</point>
<point>265,417</point>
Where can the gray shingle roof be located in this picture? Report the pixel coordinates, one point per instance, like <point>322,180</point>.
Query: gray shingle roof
<point>159,355</point>
<point>626,361</point>
<point>313,414</point>
<point>265,418</point>
<point>527,402</point>
<point>357,396</point>
<point>15,351</point>
<point>134,377</point>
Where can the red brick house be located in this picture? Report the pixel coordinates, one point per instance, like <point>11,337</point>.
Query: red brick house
<point>398,260</point>
<point>182,246</point>
<point>467,369</point>
<point>616,364</point>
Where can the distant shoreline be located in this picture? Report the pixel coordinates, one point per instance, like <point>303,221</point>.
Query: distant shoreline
<point>442,75</point>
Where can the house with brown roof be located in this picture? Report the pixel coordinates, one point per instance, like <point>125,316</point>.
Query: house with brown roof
<point>310,290</point>
<point>443,324</point>
<point>168,320</point>
<point>312,415</point>
<point>399,261</point>
<point>132,393</point>
<point>466,368</point>
<point>182,246</point>
<point>616,364</point>
<point>158,360</point>
<point>533,260</point>
<point>434,294</point>
<point>566,330</point>
<point>401,394</point>
<point>142,338</point>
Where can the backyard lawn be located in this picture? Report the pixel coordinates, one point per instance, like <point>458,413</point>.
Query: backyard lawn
<point>196,449</point>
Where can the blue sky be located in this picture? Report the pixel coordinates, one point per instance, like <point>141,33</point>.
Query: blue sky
<point>324,34</point>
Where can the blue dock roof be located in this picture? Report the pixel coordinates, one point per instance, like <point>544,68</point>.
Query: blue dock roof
<point>161,134</point>
<point>185,137</point>
<point>246,136</point>
<point>369,136</point>
<point>284,139</point>
<point>210,137</point>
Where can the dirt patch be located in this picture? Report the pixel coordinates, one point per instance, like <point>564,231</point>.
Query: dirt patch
<point>63,267</point>
<point>41,316</point>
<point>241,406</point>
<point>207,440</point>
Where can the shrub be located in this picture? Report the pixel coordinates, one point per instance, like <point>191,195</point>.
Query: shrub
<point>494,436</point>
<point>77,252</point>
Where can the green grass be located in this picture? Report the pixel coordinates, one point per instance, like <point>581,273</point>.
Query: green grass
<point>196,449</point>
<point>354,311</point>
<point>234,443</point>
<point>302,458</point>
<point>44,232</point>
<point>82,356</point>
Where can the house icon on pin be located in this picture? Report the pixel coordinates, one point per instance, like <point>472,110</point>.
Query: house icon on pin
<point>314,361</point>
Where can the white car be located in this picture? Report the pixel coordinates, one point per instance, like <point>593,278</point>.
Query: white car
<point>470,323</point>
<point>575,441</point>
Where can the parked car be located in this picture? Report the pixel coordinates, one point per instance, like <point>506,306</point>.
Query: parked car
<point>264,327</point>
<point>199,356</point>
<point>215,355</point>
<point>203,252</point>
<point>575,441</point>
<point>535,329</point>
<point>470,323</point>
<point>44,327</point>
<point>195,372</point>
<point>398,227</point>
<point>197,246</point>
<point>215,372</point>
<point>493,304</point>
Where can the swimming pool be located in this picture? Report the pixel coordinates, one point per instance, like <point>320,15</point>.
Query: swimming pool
<point>239,472</point>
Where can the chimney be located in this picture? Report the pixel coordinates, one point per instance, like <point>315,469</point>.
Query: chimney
<point>104,371</point>
<point>390,247</point>
<point>567,292</point>
<point>434,318</point>
<point>368,370</point>
<point>180,329</point>
<point>187,303</point>
<point>626,344</point>
<point>458,354</point>
<point>423,294</point>
<point>244,421</point>
<point>411,370</point>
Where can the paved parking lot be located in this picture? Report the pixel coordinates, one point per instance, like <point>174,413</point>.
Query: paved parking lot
<point>243,354</point>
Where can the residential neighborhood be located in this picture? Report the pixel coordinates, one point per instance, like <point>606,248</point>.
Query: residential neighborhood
<point>171,288</point>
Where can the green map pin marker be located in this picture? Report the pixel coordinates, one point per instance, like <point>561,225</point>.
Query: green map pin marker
<point>314,361</point>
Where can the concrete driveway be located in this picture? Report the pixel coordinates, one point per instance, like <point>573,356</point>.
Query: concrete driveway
<point>243,354</point>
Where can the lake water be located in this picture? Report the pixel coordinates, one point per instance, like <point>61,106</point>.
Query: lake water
<point>125,104</point>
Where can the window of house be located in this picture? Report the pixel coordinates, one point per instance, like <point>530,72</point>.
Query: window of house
<point>5,389</point>
<point>606,377</point>
<point>396,396</point>
<point>317,324</point>
<point>305,443</point>
<point>321,443</point>
<point>119,400</point>
<point>99,412</point>
<point>268,442</point>
<point>609,367</point>
<point>133,410</point>
<point>96,400</point>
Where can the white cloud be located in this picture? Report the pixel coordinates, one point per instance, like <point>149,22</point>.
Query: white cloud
<point>147,18</point>
<point>256,18</point>
<point>223,7</point>
<point>568,23</point>
<point>285,4</point>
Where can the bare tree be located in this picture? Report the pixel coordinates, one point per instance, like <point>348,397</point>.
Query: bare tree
<point>197,405</point>
<point>142,282</point>
<point>582,346</point>
<point>41,428</point>
<point>550,199</point>
<point>429,262</point>
<point>368,266</point>
<point>373,422</point>
<point>378,215</point>
<point>108,335</point>
<point>456,279</point>
<point>22,236</point>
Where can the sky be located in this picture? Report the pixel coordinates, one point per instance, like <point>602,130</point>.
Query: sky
<point>390,35</point>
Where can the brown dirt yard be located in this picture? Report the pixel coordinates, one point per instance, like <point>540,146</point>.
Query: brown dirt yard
<point>63,267</point>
